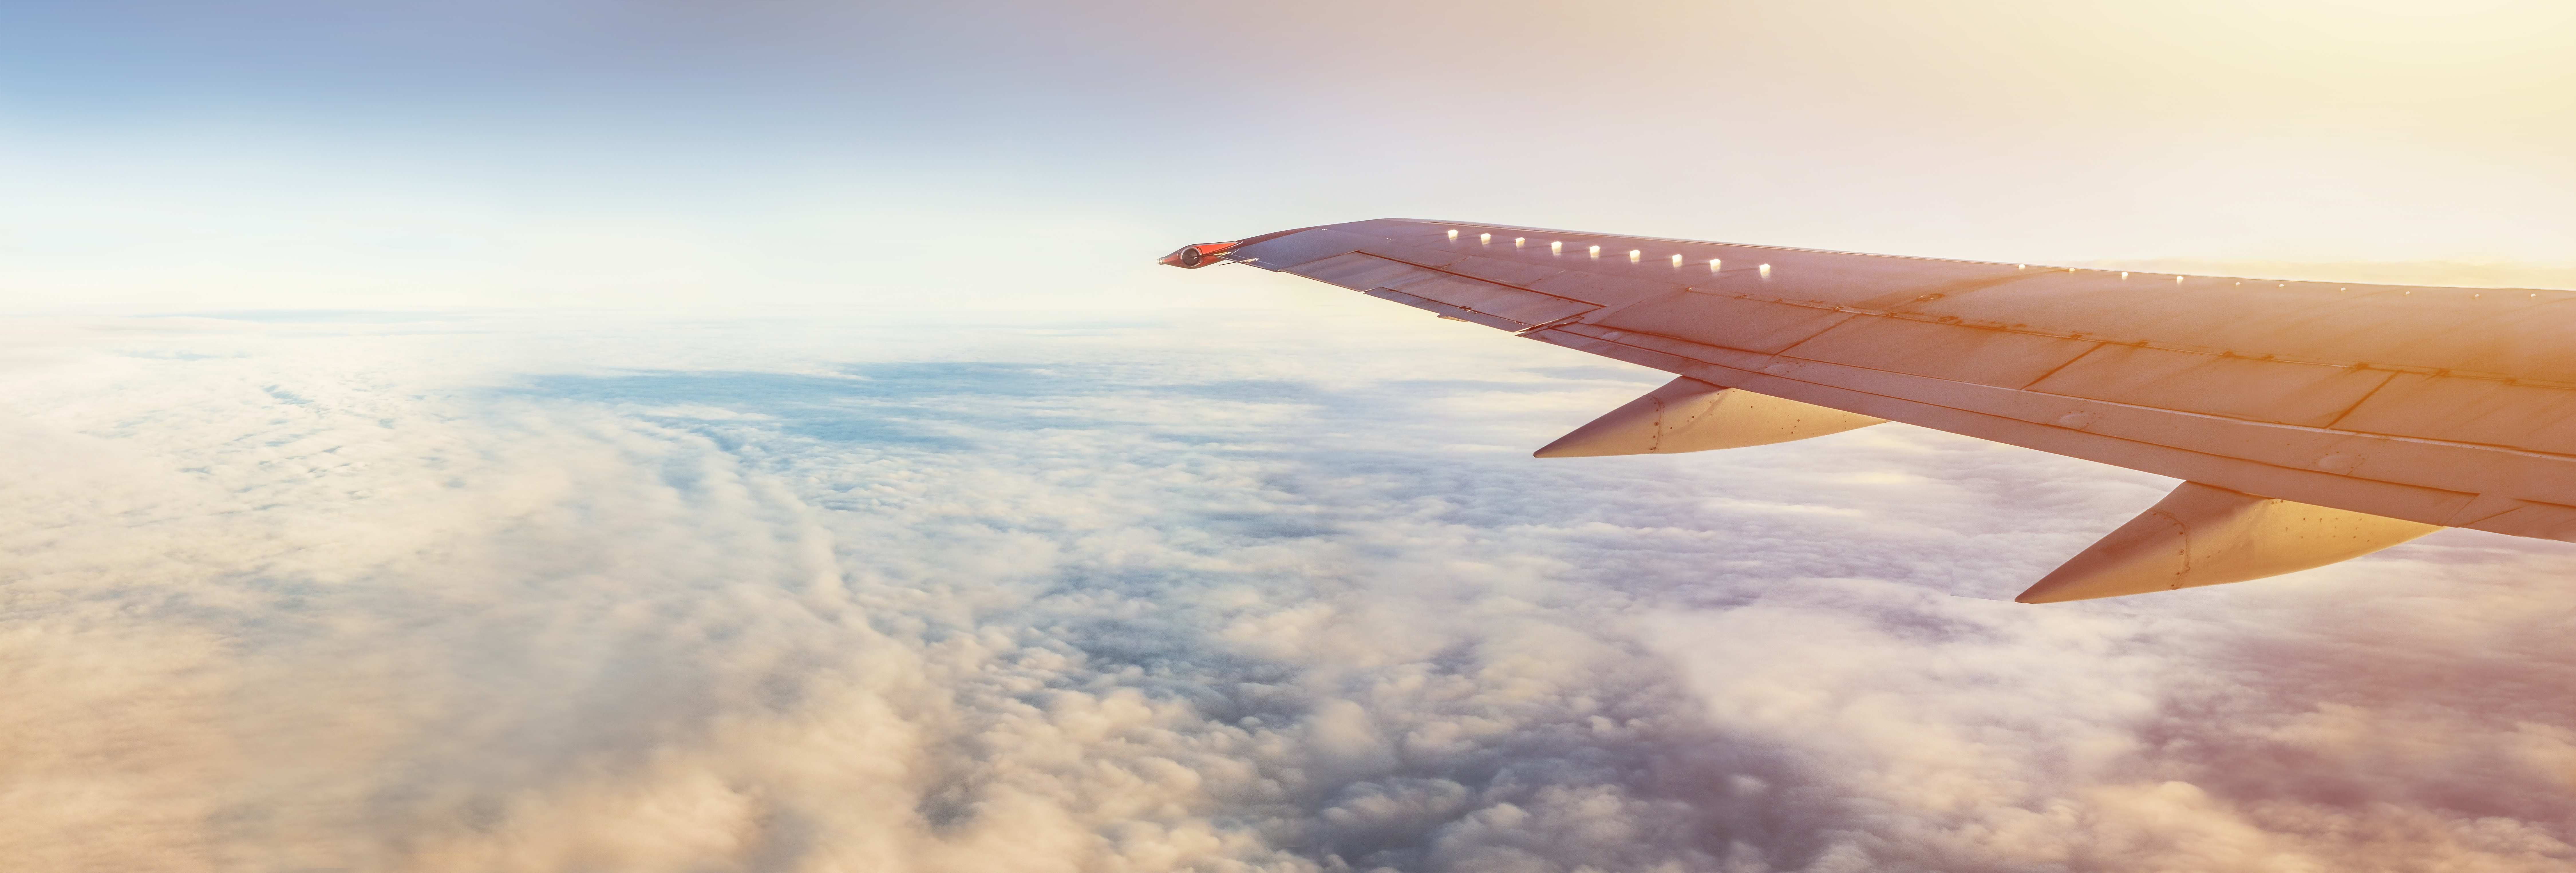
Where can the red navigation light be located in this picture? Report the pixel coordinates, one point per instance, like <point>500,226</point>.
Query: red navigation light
<point>1203,254</point>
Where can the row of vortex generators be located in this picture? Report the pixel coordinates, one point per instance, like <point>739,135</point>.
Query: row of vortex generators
<point>1634,255</point>
<point>1637,255</point>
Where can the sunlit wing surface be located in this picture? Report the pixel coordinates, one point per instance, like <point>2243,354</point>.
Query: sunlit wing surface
<point>2312,421</point>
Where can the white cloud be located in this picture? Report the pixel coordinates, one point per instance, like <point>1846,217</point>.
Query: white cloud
<point>478,594</point>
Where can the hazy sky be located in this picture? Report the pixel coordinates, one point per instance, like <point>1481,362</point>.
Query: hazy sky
<point>681,154</point>
<point>552,436</point>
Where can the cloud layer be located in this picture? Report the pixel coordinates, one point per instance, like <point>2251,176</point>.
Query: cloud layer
<point>1264,591</point>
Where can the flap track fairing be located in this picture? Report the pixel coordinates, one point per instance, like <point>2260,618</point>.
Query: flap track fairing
<point>1688,415</point>
<point>2204,535</point>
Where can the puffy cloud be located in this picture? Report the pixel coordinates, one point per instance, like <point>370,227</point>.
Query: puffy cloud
<point>1277,591</point>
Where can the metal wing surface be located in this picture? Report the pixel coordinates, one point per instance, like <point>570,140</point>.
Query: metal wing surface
<point>2419,406</point>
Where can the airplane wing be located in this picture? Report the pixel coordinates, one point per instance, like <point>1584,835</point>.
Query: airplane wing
<point>2311,421</point>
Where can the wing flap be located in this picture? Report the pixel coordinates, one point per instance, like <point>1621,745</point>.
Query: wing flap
<point>1605,290</point>
<point>2307,395</point>
<point>1455,313</point>
<point>1360,271</point>
<point>1724,322</point>
<point>2547,521</point>
<point>1517,308</point>
<point>2483,411</point>
<point>1508,272</point>
<point>1960,354</point>
<point>1433,258</point>
<point>1525,307</point>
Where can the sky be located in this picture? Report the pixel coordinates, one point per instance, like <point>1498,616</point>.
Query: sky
<point>677,436</point>
<point>696,156</point>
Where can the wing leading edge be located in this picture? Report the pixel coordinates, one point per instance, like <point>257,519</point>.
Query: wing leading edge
<point>2311,422</point>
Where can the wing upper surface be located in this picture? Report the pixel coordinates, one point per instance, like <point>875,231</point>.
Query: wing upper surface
<point>2450,406</point>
